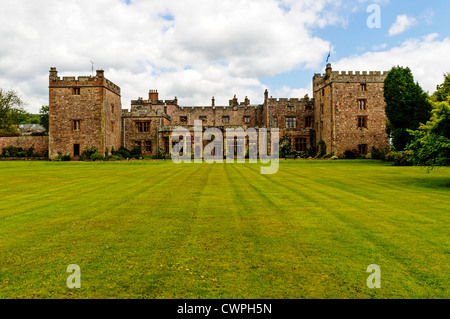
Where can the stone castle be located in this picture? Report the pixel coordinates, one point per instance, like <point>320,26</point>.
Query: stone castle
<point>347,112</point>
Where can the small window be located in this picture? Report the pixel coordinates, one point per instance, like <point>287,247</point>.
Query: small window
<point>143,127</point>
<point>203,119</point>
<point>291,122</point>
<point>323,92</point>
<point>362,104</point>
<point>76,125</point>
<point>308,107</point>
<point>300,144</point>
<point>362,148</point>
<point>225,119</point>
<point>76,91</point>
<point>309,122</point>
<point>183,119</point>
<point>246,119</point>
<point>112,108</point>
<point>291,108</point>
<point>362,122</point>
<point>275,122</point>
<point>363,87</point>
<point>113,126</point>
<point>148,146</point>
<point>137,144</point>
<point>321,108</point>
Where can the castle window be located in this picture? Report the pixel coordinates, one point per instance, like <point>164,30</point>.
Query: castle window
<point>321,108</point>
<point>308,107</point>
<point>291,108</point>
<point>362,121</point>
<point>148,146</point>
<point>291,122</point>
<point>275,122</point>
<point>362,104</point>
<point>225,119</point>
<point>309,122</point>
<point>183,119</point>
<point>203,118</point>
<point>112,108</point>
<point>137,144</point>
<point>323,92</point>
<point>300,144</point>
<point>76,125</point>
<point>362,148</point>
<point>363,87</point>
<point>246,119</point>
<point>113,126</point>
<point>76,91</point>
<point>143,127</point>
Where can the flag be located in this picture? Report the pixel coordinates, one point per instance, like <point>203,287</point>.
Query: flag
<point>328,57</point>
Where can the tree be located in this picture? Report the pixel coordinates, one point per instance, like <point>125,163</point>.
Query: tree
<point>431,145</point>
<point>44,117</point>
<point>11,110</point>
<point>443,91</point>
<point>407,105</point>
<point>285,146</point>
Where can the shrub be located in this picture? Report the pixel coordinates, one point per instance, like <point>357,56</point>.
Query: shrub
<point>160,154</point>
<point>322,149</point>
<point>351,154</point>
<point>87,153</point>
<point>122,151</point>
<point>62,158</point>
<point>136,152</point>
<point>97,157</point>
<point>400,158</point>
<point>378,154</point>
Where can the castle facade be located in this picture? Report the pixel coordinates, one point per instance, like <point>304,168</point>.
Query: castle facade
<point>346,112</point>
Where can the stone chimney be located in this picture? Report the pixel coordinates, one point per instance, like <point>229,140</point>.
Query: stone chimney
<point>153,95</point>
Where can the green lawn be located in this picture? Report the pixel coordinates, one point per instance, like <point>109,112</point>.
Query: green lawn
<point>160,230</point>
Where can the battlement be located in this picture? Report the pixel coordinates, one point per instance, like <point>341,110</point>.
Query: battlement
<point>82,81</point>
<point>349,76</point>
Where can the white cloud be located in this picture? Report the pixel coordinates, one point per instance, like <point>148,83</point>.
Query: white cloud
<point>427,57</point>
<point>189,49</point>
<point>401,24</point>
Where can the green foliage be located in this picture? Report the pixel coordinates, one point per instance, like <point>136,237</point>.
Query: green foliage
<point>13,151</point>
<point>11,110</point>
<point>136,152</point>
<point>322,149</point>
<point>43,116</point>
<point>400,158</point>
<point>87,153</point>
<point>97,156</point>
<point>431,145</point>
<point>377,154</point>
<point>407,105</point>
<point>443,91</point>
<point>286,146</point>
<point>352,154</point>
<point>62,158</point>
<point>160,154</point>
<point>122,151</point>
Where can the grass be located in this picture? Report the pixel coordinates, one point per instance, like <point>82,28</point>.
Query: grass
<point>154,229</point>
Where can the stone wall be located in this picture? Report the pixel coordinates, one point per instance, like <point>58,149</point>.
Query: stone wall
<point>39,143</point>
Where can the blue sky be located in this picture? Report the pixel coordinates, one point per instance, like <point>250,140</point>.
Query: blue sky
<point>196,49</point>
<point>355,38</point>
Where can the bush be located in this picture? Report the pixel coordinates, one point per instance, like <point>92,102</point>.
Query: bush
<point>160,154</point>
<point>377,154</point>
<point>136,152</point>
<point>351,154</point>
<point>62,158</point>
<point>97,157</point>
<point>400,158</point>
<point>322,149</point>
<point>122,152</point>
<point>87,153</point>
